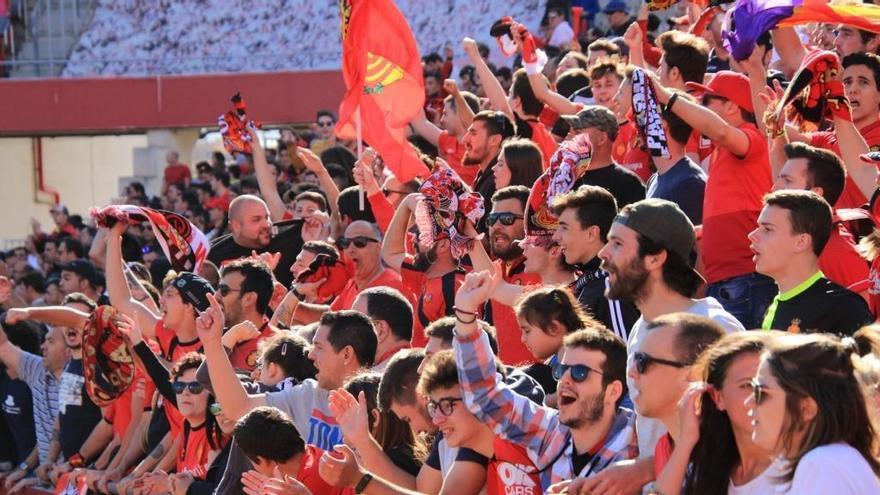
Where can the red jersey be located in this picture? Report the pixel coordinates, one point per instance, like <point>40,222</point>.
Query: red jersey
<point>177,174</point>
<point>511,472</point>
<point>308,474</point>
<point>434,297</point>
<point>118,413</point>
<point>452,151</point>
<point>852,196</point>
<point>192,457</point>
<point>841,262</point>
<point>700,146</point>
<point>171,347</point>
<point>511,349</point>
<point>541,136</point>
<point>662,453</point>
<point>734,198</point>
<point>388,278</point>
<point>628,152</point>
<point>244,355</point>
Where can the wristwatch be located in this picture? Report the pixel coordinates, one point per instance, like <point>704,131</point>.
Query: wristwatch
<point>362,484</point>
<point>24,467</point>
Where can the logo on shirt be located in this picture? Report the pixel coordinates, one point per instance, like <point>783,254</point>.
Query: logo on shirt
<point>795,326</point>
<point>70,391</point>
<point>9,406</point>
<point>322,433</point>
<point>515,479</point>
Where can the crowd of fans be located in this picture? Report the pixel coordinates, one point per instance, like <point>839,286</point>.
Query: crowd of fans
<point>574,301</point>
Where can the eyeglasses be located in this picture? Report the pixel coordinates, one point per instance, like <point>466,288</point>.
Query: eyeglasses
<point>644,361</point>
<point>215,409</point>
<point>506,218</point>
<point>579,372</point>
<point>445,405</point>
<point>195,388</point>
<point>359,242</point>
<point>757,391</point>
<point>325,123</point>
<point>224,290</point>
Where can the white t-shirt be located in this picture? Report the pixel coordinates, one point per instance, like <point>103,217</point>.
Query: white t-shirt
<point>308,405</point>
<point>562,35</point>
<point>766,483</point>
<point>650,430</point>
<point>836,469</point>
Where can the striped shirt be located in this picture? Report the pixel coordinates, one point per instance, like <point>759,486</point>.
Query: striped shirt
<point>518,420</point>
<point>44,388</point>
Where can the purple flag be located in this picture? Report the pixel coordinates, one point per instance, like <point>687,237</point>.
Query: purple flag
<point>751,19</point>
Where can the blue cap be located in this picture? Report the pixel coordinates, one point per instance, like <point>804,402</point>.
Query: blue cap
<point>616,6</point>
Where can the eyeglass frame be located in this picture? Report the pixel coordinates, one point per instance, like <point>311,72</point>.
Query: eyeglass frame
<point>494,218</point>
<point>560,369</point>
<point>643,362</point>
<point>184,386</point>
<point>224,290</point>
<point>438,406</point>
<point>344,242</point>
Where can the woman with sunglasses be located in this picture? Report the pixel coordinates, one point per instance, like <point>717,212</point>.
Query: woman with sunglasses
<point>520,163</point>
<point>715,452</point>
<point>808,408</point>
<point>204,445</point>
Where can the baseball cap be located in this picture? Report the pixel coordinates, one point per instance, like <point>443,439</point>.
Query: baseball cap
<point>730,85</point>
<point>83,268</point>
<point>615,6</point>
<point>663,222</point>
<point>594,116</point>
<point>193,289</point>
<point>871,157</point>
<point>216,202</point>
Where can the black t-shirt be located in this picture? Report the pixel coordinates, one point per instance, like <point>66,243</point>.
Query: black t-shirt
<point>77,414</point>
<point>580,461</point>
<point>402,456</point>
<point>17,413</point>
<point>617,315</point>
<point>485,185</point>
<point>288,241</point>
<point>624,185</point>
<point>543,374</point>
<point>822,307</point>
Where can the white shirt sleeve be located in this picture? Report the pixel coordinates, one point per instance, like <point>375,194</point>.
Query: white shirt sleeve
<point>562,35</point>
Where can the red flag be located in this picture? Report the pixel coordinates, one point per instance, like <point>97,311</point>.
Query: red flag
<point>383,77</point>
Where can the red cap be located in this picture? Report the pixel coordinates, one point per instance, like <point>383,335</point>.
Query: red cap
<point>730,85</point>
<point>216,202</point>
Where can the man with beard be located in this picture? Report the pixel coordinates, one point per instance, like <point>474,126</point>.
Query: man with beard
<point>648,261</point>
<point>245,289</point>
<point>588,432</point>
<point>251,230</point>
<point>432,276</point>
<point>361,245</point>
<point>585,217</point>
<point>482,144</point>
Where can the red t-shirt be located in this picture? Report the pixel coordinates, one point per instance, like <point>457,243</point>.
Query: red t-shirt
<point>700,146</point>
<point>734,198</point>
<point>841,262</point>
<point>662,453</point>
<point>388,278</point>
<point>629,153</point>
<point>430,295</point>
<point>118,413</point>
<point>510,471</point>
<point>171,347</point>
<point>541,136</point>
<point>244,355</point>
<point>308,474</point>
<point>192,457</point>
<point>177,173</point>
<point>452,151</point>
<point>852,196</point>
<point>511,349</point>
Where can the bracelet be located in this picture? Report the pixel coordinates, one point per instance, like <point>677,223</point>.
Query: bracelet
<point>672,100</point>
<point>362,484</point>
<point>459,310</point>
<point>472,320</point>
<point>297,294</point>
<point>76,460</point>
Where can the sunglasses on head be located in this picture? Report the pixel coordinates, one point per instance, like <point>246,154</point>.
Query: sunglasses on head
<point>195,388</point>
<point>506,218</point>
<point>579,372</point>
<point>445,406</point>
<point>359,242</point>
<point>644,361</point>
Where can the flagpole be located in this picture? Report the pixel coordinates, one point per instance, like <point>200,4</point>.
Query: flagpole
<point>360,152</point>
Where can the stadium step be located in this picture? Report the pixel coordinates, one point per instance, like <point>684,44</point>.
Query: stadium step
<point>54,29</point>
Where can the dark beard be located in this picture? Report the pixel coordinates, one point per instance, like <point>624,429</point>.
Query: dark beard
<point>631,283</point>
<point>472,161</point>
<point>590,413</point>
<point>511,253</point>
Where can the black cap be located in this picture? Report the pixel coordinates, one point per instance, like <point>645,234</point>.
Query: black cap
<point>193,289</point>
<point>83,268</point>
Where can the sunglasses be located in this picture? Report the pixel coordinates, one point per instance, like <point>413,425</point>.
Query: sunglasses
<point>757,391</point>
<point>224,290</point>
<point>644,361</point>
<point>215,409</point>
<point>445,406</point>
<point>195,388</point>
<point>359,242</point>
<point>579,372</point>
<point>506,218</point>
<point>325,123</point>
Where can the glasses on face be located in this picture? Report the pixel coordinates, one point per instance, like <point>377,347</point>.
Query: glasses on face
<point>224,290</point>
<point>579,372</point>
<point>359,242</point>
<point>506,218</point>
<point>757,391</point>
<point>325,123</point>
<point>644,361</point>
<point>445,405</point>
<point>215,409</point>
<point>195,388</point>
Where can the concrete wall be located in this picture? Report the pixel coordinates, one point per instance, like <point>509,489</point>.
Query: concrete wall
<point>84,170</point>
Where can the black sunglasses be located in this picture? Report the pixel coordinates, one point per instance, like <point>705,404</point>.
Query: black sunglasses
<point>445,406</point>
<point>325,123</point>
<point>194,387</point>
<point>579,372</point>
<point>757,391</point>
<point>224,290</point>
<point>506,218</point>
<point>644,361</point>
<point>359,242</point>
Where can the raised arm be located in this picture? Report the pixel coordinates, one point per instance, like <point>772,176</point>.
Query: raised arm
<point>394,245</point>
<point>426,128</point>
<point>313,164</point>
<point>268,185</point>
<point>117,286</point>
<point>50,315</point>
<point>540,86</point>
<point>10,354</point>
<point>465,114</point>
<point>852,145</point>
<point>497,98</point>
<point>229,391</point>
<point>791,51</point>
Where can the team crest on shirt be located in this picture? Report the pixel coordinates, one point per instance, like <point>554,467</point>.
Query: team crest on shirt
<point>795,326</point>
<point>251,359</point>
<point>427,297</point>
